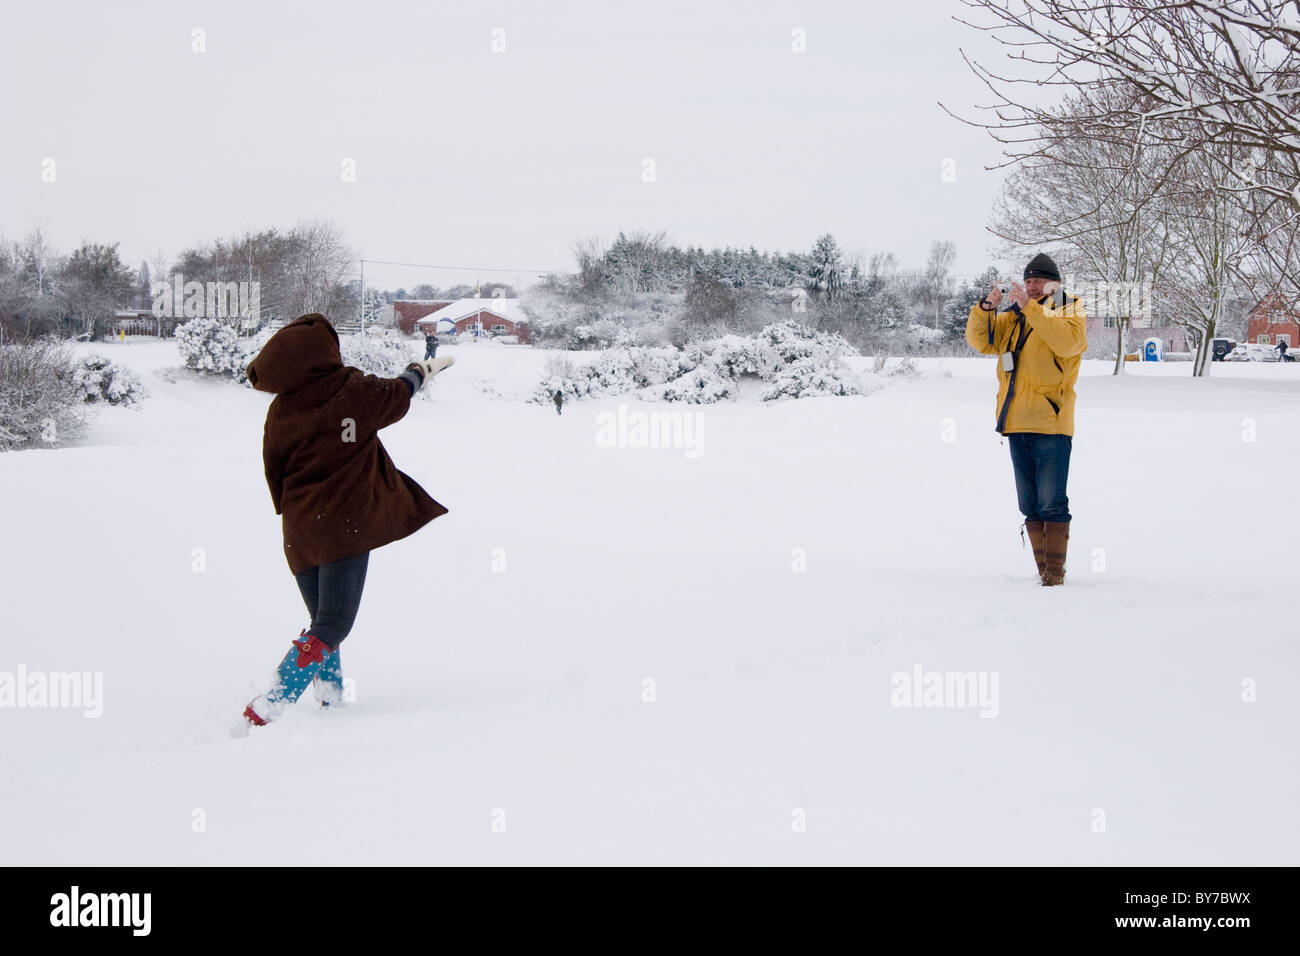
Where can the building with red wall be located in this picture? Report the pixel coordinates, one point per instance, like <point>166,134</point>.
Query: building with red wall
<point>1272,321</point>
<point>493,317</point>
<point>406,312</point>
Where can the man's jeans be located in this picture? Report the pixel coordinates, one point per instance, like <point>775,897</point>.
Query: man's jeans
<point>1042,465</point>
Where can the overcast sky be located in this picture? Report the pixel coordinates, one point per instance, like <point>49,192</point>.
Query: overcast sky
<point>466,156</point>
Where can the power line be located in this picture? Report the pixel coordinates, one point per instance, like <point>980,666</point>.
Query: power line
<point>426,265</point>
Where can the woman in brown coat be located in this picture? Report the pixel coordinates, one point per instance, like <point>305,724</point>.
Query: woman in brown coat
<point>335,486</point>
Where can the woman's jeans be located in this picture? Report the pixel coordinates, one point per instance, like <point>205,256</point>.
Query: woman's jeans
<point>1042,465</point>
<point>333,595</point>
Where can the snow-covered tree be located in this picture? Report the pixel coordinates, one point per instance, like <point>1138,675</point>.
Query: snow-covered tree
<point>1214,246</point>
<point>1180,74</point>
<point>1098,201</point>
<point>710,302</point>
<point>826,273</point>
<point>636,263</point>
<point>93,284</point>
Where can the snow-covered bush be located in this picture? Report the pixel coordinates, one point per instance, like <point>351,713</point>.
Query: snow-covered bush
<point>736,356</point>
<point>810,377</point>
<point>702,385</point>
<point>378,355</point>
<point>617,372</point>
<point>603,334</point>
<point>614,373</point>
<point>905,369</point>
<point>807,363</point>
<point>792,359</point>
<point>211,346</point>
<point>792,340</point>
<point>41,403</point>
<point>103,381</point>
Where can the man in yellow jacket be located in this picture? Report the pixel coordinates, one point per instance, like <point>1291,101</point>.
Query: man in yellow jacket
<point>1039,339</point>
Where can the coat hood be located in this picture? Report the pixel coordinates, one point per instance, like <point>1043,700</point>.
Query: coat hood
<point>305,349</point>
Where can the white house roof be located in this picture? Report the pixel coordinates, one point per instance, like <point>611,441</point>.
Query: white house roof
<point>463,308</point>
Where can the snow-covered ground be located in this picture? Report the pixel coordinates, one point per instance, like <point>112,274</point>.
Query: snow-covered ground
<point>634,655</point>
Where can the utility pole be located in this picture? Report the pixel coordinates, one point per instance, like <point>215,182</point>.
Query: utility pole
<point>363,300</point>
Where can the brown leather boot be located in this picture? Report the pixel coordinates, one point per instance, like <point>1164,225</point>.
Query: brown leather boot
<point>1035,529</point>
<point>1056,536</point>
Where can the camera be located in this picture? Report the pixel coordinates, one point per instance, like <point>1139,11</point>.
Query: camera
<point>1004,288</point>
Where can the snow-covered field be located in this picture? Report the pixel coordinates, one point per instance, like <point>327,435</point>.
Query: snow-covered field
<point>635,655</point>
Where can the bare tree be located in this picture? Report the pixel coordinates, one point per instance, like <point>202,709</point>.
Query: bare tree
<point>590,255</point>
<point>318,263</point>
<point>1100,201</point>
<point>38,262</point>
<point>1193,73</point>
<point>1214,249</point>
<point>637,263</point>
<point>934,289</point>
<point>93,285</point>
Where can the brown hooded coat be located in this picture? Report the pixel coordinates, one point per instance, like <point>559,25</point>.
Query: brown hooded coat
<point>330,478</point>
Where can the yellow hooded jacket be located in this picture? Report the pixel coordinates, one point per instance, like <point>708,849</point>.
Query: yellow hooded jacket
<point>1048,366</point>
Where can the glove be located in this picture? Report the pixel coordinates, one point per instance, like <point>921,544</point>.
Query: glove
<point>431,367</point>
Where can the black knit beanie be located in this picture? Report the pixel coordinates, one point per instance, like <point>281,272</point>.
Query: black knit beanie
<point>1042,267</point>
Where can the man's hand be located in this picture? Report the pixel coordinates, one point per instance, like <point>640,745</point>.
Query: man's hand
<point>1018,295</point>
<point>994,298</point>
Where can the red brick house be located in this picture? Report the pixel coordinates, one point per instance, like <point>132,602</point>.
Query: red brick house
<point>1272,322</point>
<point>407,311</point>
<point>490,317</point>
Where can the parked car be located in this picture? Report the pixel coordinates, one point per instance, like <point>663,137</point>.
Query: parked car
<point>1220,349</point>
<point>1253,352</point>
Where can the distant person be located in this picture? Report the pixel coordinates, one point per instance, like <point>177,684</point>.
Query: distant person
<point>559,400</point>
<point>1281,352</point>
<point>1039,340</point>
<point>430,345</point>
